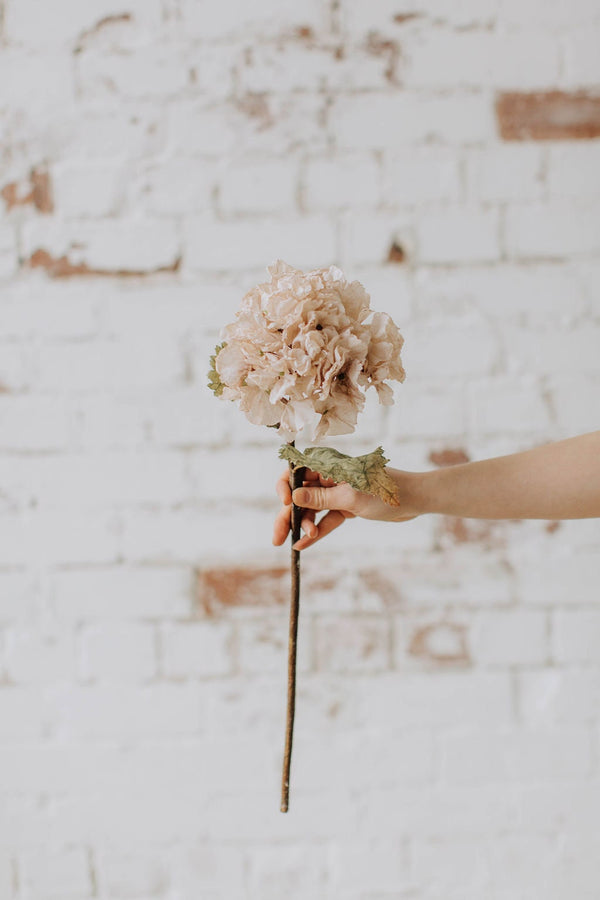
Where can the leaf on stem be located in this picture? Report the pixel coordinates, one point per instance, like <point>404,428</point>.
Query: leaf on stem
<point>214,382</point>
<point>364,473</point>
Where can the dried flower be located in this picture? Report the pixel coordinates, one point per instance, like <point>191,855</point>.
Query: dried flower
<point>303,350</point>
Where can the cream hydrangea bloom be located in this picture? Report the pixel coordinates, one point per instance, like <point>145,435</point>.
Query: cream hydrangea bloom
<point>303,350</point>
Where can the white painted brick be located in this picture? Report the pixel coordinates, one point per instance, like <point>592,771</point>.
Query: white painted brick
<point>448,866</point>
<point>378,865</point>
<point>581,66</point>
<point>180,184</point>
<point>216,246</point>
<point>367,239</point>
<point>200,128</point>
<point>47,873</point>
<point>446,347</point>
<point>15,366</point>
<point>572,400</point>
<point>263,645</point>
<point>34,306</point>
<point>20,595</point>
<point>572,171</point>
<point>84,190</point>
<point>108,132</point>
<point>432,174</point>
<point>29,422</point>
<point>392,121</point>
<point>457,235</point>
<point>576,636</point>
<point>28,23</point>
<point>21,712</point>
<point>118,653</point>
<point>258,187</point>
<point>352,644</point>
<point>146,361</point>
<point>475,59</point>
<point>197,650</point>
<point>508,406</point>
<point>135,246</point>
<point>133,871</point>
<point>511,12</point>
<point>122,593</point>
<point>552,230</point>
<point>346,182</point>
<point>550,754</point>
<point>511,172</point>
<point>271,17</point>
<point>358,19</point>
<point>208,865</point>
<point>33,658</point>
<point>510,637</point>
<point>564,579</point>
<point>428,411</point>
<point>124,711</point>
<point>568,352</point>
<point>147,72</point>
<point>8,251</point>
<point>54,537</point>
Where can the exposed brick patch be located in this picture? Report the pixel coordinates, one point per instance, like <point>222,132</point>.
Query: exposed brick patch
<point>38,193</point>
<point>222,588</point>
<point>304,32</point>
<point>387,591</point>
<point>487,532</point>
<point>256,106</point>
<point>548,116</point>
<point>389,50</point>
<point>401,18</point>
<point>443,643</point>
<point>62,267</point>
<point>396,253</point>
<point>449,457</point>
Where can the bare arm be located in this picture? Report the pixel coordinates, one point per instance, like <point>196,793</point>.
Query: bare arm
<point>555,481</point>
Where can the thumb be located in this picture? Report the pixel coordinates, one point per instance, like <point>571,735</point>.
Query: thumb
<point>341,496</point>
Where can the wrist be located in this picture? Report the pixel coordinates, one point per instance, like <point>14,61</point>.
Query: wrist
<point>415,492</point>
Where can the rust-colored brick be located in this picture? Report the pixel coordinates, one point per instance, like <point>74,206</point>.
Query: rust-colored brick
<point>548,116</point>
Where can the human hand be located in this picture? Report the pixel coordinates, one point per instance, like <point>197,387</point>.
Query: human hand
<point>340,501</point>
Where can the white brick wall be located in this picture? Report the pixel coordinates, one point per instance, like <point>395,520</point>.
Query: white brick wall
<point>157,155</point>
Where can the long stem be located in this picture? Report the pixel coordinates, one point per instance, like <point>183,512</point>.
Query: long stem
<point>296,480</point>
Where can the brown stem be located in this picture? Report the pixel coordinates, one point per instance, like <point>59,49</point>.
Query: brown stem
<point>296,480</point>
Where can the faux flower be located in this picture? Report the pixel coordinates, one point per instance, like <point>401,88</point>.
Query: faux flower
<point>303,350</point>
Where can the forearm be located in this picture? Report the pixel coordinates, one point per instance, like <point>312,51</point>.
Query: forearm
<point>556,481</point>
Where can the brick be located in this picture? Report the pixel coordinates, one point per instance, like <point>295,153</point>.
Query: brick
<point>122,593</point>
<point>29,422</point>
<point>305,243</point>
<point>102,247</point>
<point>88,190</point>
<point>548,754</point>
<point>270,18</point>
<point>8,251</point>
<point>428,411</point>
<point>341,182</point>
<point>57,537</point>
<point>364,865</point>
<point>30,25</point>
<point>549,116</point>
<point>263,645</point>
<point>504,638</point>
<point>148,72</point>
<point>570,352</point>
<point>565,579</point>
<point>474,59</point>
<point>571,169</point>
<point>571,400</point>
<point>34,658</point>
<point>124,711</point>
<point>431,175</point>
<point>575,636</point>
<point>366,239</point>
<point>352,644</point>
<point>552,230</point>
<point>258,187</point>
<point>430,645</point>
<point>127,872</point>
<point>207,865</point>
<point>197,650</point>
<point>510,172</point>
<point>54,311</point>
<point>581,67</point>
<point>459,235</point>
<point>390,122</point>
<point>508,406</point>
<point>118,653</point>
<point>22,714</point>
<point>180,184</point>
<point>59,873</point>
<point>443,348</point>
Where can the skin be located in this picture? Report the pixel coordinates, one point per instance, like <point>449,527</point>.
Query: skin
<point>560,480</point>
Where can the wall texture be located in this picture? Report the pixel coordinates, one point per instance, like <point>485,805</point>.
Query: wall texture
<point>156,155</point>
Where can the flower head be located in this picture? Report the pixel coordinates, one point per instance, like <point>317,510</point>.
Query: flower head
<point>303,350</point>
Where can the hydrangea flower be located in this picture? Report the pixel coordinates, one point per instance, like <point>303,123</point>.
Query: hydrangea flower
<point>303,350</point>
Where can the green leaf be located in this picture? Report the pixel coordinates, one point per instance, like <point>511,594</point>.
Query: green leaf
<point>364,473</point>
<point>214,382</point>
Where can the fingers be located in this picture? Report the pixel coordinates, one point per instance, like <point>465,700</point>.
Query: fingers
<point>339,497</point>
<point>283,488</point>
<point>281,525</point>
<point>327,524</point>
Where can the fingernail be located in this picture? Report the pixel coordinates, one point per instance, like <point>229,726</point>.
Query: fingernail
<point>300,496</point>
